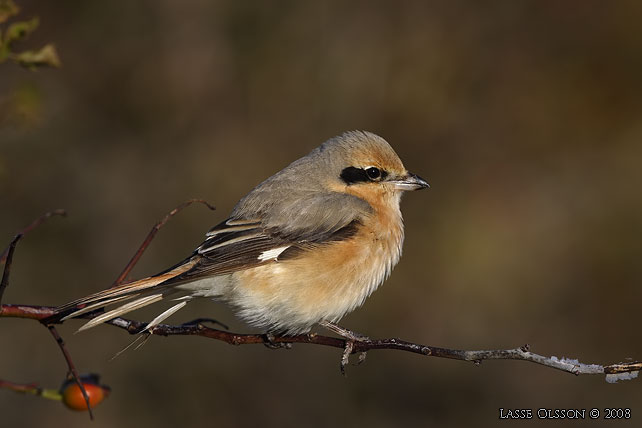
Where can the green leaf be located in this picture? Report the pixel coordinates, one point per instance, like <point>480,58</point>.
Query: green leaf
<point>19,30</point>
<point>47,56</point>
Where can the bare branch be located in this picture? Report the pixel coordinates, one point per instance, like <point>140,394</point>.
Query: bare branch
<point>7,255</point>
<point>7,266</point>
<point>28,388</point>
<point>523,353</point>
<point>152,234</point>
<point>72,368</point>
<point>38,313</point>
<point>31,388</point>
<point>37,222</point>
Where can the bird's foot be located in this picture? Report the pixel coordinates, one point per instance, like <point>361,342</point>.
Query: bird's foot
<point>351,338</point>
<point>200,321</point>
<point>270,342</point>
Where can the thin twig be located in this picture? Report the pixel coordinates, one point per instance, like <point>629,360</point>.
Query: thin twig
<point>522,353</point>
<point>150,237</point>
<point>31,388</point>
<point>7,258</point>
<point>7,265</point>
<point>43,313</point>
<point>37,222</point>
<point>72,367</point>
<point>38,313</point>
<point>26,388</point>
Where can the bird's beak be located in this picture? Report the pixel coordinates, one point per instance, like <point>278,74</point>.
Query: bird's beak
<point>410,182</point>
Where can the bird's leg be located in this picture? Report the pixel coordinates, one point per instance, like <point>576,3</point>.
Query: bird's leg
<point>344,332</point>
<point>350,338</point>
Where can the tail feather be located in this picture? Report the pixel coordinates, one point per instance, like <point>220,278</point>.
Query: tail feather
<point>122,310</point>
<point>162,317</point>
<point>145,292</point>
<point>99,304</point>
<point>110,295</point>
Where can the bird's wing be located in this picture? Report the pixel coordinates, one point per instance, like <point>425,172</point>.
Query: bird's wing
<point>289,230</point>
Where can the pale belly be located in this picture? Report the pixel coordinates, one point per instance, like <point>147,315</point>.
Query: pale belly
<point>325,284</point>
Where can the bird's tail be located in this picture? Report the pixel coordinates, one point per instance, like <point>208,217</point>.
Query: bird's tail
<point>130,296</point>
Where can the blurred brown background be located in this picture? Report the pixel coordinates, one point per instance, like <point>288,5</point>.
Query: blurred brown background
<point>525,117</point>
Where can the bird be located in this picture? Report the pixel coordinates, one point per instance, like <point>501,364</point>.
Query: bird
<point>305,247</point>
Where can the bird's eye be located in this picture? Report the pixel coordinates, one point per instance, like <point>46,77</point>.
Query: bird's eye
<point>353,175</point>
<point>373,173</point>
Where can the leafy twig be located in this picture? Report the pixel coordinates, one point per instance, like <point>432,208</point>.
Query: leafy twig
<point>45,56</point>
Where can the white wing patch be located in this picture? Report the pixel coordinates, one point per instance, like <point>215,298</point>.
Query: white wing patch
<point>272,254</point>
